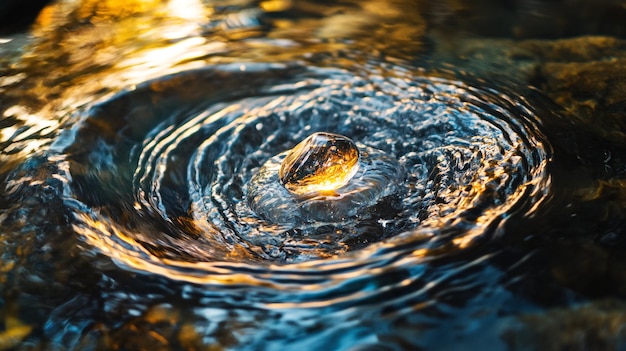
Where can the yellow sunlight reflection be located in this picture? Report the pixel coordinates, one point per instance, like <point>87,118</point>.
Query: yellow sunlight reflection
<point>21,142</point>
<point>124,42</point>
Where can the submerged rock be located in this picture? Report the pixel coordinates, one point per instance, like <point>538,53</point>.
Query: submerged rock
<point>585,75</point>
<point>523,19</point>
<point>595,326</point>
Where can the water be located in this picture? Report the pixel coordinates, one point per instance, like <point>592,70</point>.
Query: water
<point>142,208</point>
<point>316,182</point>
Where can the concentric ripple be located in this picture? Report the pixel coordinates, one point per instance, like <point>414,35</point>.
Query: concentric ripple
<point>160,174</point>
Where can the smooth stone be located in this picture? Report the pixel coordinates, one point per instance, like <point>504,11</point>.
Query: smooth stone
<point>320,163</point>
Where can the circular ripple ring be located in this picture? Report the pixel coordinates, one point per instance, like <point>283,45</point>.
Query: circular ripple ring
<point>166,188</point>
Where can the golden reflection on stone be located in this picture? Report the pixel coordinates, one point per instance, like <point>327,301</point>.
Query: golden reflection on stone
<point>321,162</point>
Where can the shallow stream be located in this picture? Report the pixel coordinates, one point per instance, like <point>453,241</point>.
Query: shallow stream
<point>141,205</point>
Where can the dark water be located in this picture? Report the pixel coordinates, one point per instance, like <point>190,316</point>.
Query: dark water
<point>141,207</point>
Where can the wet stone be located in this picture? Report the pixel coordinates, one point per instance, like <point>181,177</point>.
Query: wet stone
<point>321,162</point>
<point>376,184</point>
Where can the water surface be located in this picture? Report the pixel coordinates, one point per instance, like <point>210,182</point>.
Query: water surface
<point>131,136</point>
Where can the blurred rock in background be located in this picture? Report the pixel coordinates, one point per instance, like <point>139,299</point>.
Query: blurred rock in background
<point>523,19</point>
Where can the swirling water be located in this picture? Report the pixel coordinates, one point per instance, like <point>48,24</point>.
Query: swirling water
<point>129,222</point>
<point>185,174</point>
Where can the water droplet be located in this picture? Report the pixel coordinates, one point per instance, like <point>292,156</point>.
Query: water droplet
<point>322,162</point>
